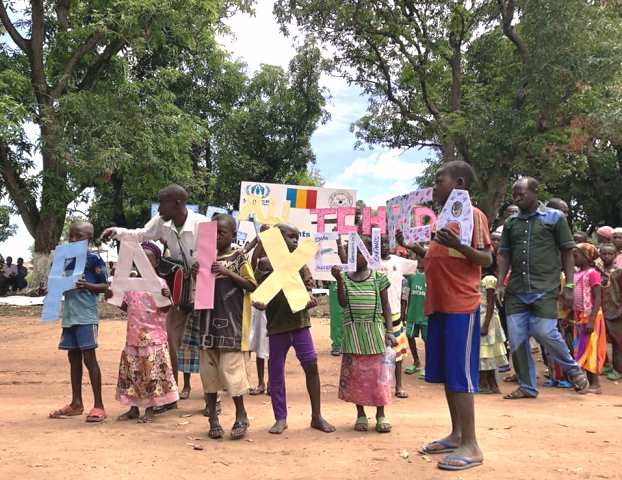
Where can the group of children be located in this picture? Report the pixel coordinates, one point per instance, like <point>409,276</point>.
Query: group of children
<point>451,307</point>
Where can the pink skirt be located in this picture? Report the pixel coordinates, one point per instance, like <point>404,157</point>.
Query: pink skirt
<point>366,380</point>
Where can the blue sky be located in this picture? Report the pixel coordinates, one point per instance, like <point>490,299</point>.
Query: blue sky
<point>377,174</point>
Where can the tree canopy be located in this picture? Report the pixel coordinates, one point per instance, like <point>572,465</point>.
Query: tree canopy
<point>512,87</point>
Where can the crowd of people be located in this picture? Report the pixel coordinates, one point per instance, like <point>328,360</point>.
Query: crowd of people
<point>476,308</point>
<point>12,275</point>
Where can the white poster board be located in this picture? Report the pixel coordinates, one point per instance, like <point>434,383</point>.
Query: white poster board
<point>292,204</point>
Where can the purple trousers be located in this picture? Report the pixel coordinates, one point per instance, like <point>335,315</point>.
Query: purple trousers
<point>279,346</point>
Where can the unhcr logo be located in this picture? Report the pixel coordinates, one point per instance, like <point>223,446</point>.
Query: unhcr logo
<point>258,189</point>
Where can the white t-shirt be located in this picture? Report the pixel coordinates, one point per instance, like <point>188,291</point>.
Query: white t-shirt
<point>395,268</point>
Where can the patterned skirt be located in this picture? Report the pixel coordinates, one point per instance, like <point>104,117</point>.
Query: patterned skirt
<point>590,349</point>
<point>188,356</point>
<point>492,351</point>
<point>401,349</point>
<point>366,380</point>
<point>146,377</point>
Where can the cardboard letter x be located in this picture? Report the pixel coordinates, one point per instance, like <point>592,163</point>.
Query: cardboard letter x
<point>286,267</point>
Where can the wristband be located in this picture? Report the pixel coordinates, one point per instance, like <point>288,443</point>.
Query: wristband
<point>569,285</point>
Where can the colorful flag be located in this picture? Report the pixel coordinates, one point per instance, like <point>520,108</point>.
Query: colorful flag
<point>300,198</point>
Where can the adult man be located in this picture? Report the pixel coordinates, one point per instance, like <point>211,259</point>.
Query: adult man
<point>176,226</point>
<point>536,243</point>
<point>9,272</point>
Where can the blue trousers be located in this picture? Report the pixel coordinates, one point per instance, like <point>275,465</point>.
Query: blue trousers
<point>522,326</point>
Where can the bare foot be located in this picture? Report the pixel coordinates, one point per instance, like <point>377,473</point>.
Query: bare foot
<point>279,427</point>
<point>131,414</point>
<point>322,425</point>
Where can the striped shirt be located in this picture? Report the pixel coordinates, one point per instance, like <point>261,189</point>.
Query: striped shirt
<point>363,322</point>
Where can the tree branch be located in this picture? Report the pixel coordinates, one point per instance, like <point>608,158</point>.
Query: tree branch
<point>90,43</point>
<point>507,9</point>
<point>102,60</point>
<point>20,41</point>
<point>62,14</point>
<point>18,191</point>
<point>36,52</point>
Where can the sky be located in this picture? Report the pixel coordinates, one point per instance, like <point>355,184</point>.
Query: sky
<point>376,175</point>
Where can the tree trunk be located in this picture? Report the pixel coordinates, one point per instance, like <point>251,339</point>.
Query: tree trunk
<point>494,190</point>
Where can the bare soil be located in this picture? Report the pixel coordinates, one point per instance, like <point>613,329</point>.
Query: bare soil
<point>559,435</point>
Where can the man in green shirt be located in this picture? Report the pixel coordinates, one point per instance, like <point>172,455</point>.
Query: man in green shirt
<point>536,244</point>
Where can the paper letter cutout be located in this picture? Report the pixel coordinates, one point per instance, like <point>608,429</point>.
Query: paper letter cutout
<point>58,283</point>
<point>400,217</point>
<point>211,211</point>
<point>380,220</point>
<point>206,254</point>
<point>321,214</point>
<point>320,266</point>
<point>253,207</point>
<point>373,258</point>
<point>286,266</point>
<point>342,213</point>
<point>131,253</point>
<point>458,211</point>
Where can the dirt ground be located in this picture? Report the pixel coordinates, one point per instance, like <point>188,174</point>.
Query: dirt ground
<point>559,435</point>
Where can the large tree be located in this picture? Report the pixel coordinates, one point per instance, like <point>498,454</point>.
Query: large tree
<point>256,127</point>
<point>65,70</point>
<point>496,83</point>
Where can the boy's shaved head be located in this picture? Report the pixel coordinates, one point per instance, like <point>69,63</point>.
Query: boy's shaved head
<point>174,192</point>
<point>460,169</point>
<point>84,227</point>
<point>226,219</point>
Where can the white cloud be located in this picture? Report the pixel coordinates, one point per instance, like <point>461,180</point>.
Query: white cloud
<point>381,175</point>
<point>257,39</point>
<point>386,165</point>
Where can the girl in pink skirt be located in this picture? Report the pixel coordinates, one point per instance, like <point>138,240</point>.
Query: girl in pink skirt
<point>145,372</point>
<point>367,372</point>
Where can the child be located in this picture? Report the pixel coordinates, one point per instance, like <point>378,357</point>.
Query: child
<point>80,323</point>
<point>453,275</point>
<point>145,371</point>
<point>492,351</point>
<point>227,331</point>
<point>259,329</point>
<point>395,268</point>
<point>612,308</point>
<point>416,320</point>
<point>590,344</point>
<point>285,330</point>
<point>368,326</point>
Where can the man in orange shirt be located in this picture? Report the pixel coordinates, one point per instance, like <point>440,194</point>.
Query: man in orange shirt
<point>453,272</point>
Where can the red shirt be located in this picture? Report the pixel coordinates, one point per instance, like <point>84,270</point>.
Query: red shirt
<point>452,280</point>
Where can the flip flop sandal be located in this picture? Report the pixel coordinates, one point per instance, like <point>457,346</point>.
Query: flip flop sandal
<point>518,394</point>
<point>551,383</point>
<point>411,370</point>
<point>97,415</point>
<point>361,424</point>
<point>401,394</point>
<point>614,376</point>
<point>447,448</point>
<point>239,429</point>
<point>216,433</point>
<point>383,425</point>
<point>465,463</point>
<point>184,395</point>
<point>66,411</point>
<point>564,384</point>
